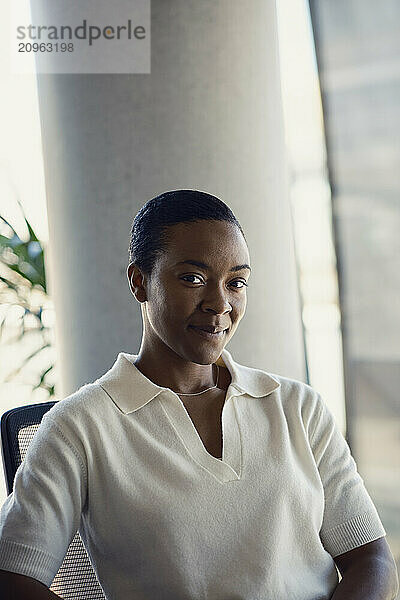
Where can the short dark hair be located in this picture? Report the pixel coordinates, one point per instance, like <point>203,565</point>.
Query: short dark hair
<point>148,233</point>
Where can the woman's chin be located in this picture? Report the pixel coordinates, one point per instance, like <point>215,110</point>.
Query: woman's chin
<point>203,355</point>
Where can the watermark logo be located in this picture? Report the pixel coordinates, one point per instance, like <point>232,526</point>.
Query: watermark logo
<point>92,36</point>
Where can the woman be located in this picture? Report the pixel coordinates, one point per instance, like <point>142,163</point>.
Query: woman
<point>189,475</point>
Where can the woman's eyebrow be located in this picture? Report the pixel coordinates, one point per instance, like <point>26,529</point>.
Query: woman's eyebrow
<point>202,265</point>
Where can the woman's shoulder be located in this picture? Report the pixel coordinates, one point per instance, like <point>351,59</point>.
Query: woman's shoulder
<point>81,406</point>
<point>299,403</point>
<point>294,395</point>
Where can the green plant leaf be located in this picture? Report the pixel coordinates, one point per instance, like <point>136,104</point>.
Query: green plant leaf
<point>9,283</point>
<point>26,360</point>
<point>9,225</point>
<point>42,376</point>
<point>28,257</point>
<point>24,261</point>
<point>32,234</point>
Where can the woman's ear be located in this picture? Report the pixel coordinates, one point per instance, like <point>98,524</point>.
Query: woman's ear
<point>136,281</point>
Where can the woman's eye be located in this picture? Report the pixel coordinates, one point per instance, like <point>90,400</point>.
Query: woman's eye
<point>196,279</point>
<point>240,282</point>
<point>190,278</point>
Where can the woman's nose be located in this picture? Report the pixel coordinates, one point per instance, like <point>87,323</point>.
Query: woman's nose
<point>216,301</point>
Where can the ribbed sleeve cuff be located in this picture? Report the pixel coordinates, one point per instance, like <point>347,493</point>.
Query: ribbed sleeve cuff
<point>353,533</point>
<point>18,558</point>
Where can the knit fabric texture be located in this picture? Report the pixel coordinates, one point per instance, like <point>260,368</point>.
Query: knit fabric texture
<point>162,519</point>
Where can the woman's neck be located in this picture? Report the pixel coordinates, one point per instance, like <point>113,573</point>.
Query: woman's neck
<point>175,373</point>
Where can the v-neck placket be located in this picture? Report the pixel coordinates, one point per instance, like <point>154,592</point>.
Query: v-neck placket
<point>131,390</point>
<point>228,468</point>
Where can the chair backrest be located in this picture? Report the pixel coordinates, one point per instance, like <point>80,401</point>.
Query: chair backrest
<point>76,578</point>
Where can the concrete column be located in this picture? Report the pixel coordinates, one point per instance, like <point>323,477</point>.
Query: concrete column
<point>208,117</point>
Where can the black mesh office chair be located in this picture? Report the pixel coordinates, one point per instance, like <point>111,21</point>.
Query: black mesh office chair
<point>76,578</point>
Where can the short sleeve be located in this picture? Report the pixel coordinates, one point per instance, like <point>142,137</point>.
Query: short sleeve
<point>350,517</point>
<point>40,518</point>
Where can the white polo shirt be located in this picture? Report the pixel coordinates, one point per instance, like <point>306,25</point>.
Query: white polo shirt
<point>162,519</point>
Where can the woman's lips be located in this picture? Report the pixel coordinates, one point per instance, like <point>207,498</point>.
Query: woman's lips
<point>206,334</point>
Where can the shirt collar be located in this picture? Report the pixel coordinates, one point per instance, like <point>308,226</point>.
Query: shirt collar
<point>130,389</point>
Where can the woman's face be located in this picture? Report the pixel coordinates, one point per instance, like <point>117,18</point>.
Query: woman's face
<point>196,294</point>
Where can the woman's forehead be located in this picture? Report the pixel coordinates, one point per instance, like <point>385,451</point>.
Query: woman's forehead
<point>205,241</point>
